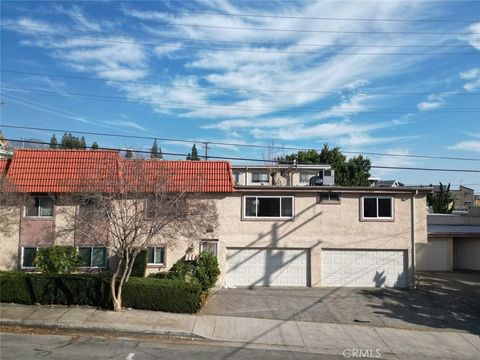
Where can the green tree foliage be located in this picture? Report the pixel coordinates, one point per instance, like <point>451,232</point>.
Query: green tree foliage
<point>441,201</point>
<point>58,259</point>
<point>73,142</point>
<point>206,270</point>
<point>53,142</point>
<point>203,271</point>
<point>155,151</point>
<point>194,154</point>
<point>94,145</point>
<point>352,172</point>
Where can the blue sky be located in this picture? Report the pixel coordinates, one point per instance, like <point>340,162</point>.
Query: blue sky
<point>367,86</point>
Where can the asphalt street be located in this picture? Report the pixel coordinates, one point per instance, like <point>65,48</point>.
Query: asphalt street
<point>72,347</point>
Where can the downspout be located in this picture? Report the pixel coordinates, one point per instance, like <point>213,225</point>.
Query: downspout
<point>414,285</point>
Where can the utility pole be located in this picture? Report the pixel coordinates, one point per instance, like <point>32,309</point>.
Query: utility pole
<point>205,145</point>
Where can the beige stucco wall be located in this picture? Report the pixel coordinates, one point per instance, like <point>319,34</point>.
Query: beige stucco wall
<point>314,227</point>
<point>64,223</point>
<point>321,226</point>
<point>9,237</point>
<point>436,255</point>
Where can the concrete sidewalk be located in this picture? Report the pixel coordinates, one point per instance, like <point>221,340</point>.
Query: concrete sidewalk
<point>303,336</point>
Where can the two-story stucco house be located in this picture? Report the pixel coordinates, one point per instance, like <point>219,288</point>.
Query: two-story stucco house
<point>278,233</point>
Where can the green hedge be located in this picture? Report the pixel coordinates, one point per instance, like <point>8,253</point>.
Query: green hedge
<point>162,295</point>
<point>94,290</point>
<point>81,289</point>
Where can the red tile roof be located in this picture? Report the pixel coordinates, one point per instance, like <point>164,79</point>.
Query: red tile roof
<point>61,171</point>
<point>3,165</point>
<point>174,176</point>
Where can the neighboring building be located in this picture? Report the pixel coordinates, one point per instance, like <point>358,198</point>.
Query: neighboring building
<point>453,242</point>
<point>284,235</point>
<point>463,198</point>
<point>281,174</point>
<point>375,181</point>
<point>476,200</point>
<point>5,148</point>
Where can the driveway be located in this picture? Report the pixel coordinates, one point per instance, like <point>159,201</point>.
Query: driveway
<point>442,300</point>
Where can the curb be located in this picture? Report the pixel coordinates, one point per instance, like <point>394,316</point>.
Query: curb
<point>99,328</point>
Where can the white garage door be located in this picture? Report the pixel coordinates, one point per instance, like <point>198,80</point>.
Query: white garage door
<point>434,255</point>
<point>364,268</point>
<point>466,254</point>
<point>267,267</point>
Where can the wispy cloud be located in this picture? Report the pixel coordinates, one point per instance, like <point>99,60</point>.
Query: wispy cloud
<point>126,124</point>
<point>433,101</point>
<point>472,146</point>
<point>473,77</point>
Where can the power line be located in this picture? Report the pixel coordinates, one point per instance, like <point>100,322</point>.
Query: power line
<point>260,160</point>
<point>142,8</point>
<point>230,144</point>
<point>182,105</point>
<point>173,24</point>
<point>244,42</point>
<point>231,49</point>
<point>67,76</point>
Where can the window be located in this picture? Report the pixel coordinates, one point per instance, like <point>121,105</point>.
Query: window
<point>268,206</point>
<point>156,255</point>
<point>28,256</point>
<point>305,177</point>
<point>260,177</point>
<point>39,206</point>
<point>93,256</point>
<point>237,177</point>
<point>377,208</point>
<point>329,197</point>
<point>209,246</point>
<point>327,172</point>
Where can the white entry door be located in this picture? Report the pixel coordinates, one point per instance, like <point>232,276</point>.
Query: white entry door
<point>267,267</point>
<point>364,268</point>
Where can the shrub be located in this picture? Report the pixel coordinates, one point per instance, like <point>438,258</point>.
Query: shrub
<point>203,271</point>
<point>162,295</point>
<point>58,259</point>
<point>94,290</point>
<point>206,270</point>
<point>140,264</point>
<point>158,275</point>
<point>182,270</point>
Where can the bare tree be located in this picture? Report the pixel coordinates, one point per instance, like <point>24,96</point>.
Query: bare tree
<point>147,201</point>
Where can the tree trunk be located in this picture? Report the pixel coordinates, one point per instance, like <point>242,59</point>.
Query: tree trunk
<point>116,299</point>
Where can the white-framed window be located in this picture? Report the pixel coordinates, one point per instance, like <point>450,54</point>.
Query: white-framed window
<point>39,206</point>
<point>377,207</point>
<point>305,177</point>
<point>268,207</point>
<point>156,255</point>
<point>28,256</point>
<point>260,177</point>
<point>210,246</point>
<point>328,197</point>
<point>236,176</point>
<point>93,256</point>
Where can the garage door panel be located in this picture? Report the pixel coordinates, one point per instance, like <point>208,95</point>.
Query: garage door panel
<point>364,268</point>
<point>267,267</point>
